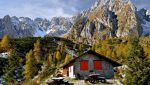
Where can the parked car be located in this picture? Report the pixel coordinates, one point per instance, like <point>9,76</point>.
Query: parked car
<point>59,81</point>
<point>95,78</point>
<point>59,75</point>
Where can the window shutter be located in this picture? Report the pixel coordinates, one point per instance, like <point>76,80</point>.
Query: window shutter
<point>97,65</point>
<point>83,65</point>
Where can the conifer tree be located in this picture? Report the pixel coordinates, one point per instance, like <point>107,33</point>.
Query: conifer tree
<point>55,59</point>
<point>13,63</point>
<point>58,56</point>
<point>37,51</point>
<point>62,47</point>
<point>30,69</point>
<point>138,71</point>
<point>67,58</point>
<point>74,46</point>
<point>50,60</point>
<point>93,47</point>
<point>80,47</point>
<point>48,68</point>
<point>58,47</point>
<point>5,43</point>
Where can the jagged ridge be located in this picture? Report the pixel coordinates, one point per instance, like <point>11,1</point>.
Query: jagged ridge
<point>24,26</point>
<point>107,18</point>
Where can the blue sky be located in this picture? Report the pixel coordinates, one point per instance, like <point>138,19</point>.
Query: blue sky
<point>51,8</point>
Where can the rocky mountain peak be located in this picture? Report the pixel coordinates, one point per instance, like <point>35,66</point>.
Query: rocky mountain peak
<point>7,17</point>
<point>115,5</point>
<point>107,18</point>
<point>111,2</point>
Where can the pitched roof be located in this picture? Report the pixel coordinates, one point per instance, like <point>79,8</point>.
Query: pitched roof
<point>114,63</point>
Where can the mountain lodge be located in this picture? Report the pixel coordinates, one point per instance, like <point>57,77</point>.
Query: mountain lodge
<point>90,63</point>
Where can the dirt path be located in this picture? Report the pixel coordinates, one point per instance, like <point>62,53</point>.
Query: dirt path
<point>80,82</point>
<point>109,82</point>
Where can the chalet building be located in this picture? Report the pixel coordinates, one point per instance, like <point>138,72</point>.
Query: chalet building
<point>90,63</point>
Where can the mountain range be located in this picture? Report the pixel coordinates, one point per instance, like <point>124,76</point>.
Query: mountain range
<point>106,18</point>
<point>24,26</point>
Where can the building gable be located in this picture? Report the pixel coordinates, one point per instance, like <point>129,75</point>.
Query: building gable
<point>92,54</point>
<point>94,62</point>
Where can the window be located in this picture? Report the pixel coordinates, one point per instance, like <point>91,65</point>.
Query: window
<point>97,65</point>
<point>83,65</point>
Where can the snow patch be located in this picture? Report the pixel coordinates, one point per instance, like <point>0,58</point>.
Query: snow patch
<point>1,81</point>
<point>39,33</point>
<point>4,55</point>
<point>148,12</point>
<point>50,31</point>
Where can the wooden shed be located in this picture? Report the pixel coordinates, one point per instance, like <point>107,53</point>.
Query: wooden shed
<point>90,63</point>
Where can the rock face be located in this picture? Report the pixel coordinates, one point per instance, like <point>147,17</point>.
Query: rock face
<point>6,27</point>
<point>24,26</point>
<point>59,26</point>
<point>109,18</point>
<point>145,21</point>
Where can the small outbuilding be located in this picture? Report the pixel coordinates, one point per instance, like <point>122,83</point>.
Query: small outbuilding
<point>90,63</point>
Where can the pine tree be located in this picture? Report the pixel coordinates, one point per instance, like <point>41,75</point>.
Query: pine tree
<point>67,58</point>
<point>62,47</point>
<point>80,49</point>
<point>93,47</point>
<point>37,51</point>
<point>74,46</point>
<point>30,69</point>
<point>61,50</point>
<point>47,69</point>
<point>5,43</point>
<point>50,60</point>
<point>58,56</point>
<point>58,47</point>
<point>13,63</point>
<point>55,59</point>
<point>138,71</point>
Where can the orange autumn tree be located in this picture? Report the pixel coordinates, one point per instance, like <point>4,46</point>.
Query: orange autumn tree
<point>4,44</point>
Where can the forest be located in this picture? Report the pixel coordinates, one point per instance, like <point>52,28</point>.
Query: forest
<point>33,59</point>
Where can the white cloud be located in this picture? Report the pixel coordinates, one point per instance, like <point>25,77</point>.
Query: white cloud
<point>142,3</point>
<point>50,8</point>
<point>43,8</point>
